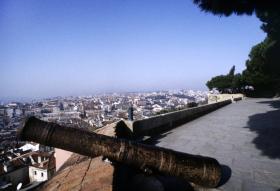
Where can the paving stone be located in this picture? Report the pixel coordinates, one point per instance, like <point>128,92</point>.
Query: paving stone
<point>255,186</point>
<point>240,136</point>
<point>268,178</point>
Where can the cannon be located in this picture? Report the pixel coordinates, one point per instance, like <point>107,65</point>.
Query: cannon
<point>200,170</point>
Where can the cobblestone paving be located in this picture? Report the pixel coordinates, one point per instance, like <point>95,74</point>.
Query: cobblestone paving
<point>243,136</point>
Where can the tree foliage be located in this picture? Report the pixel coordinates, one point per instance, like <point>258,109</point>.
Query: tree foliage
<point>262,72</point>
<point>239,7</point>
<point>263,65</point>
<point>221,83</point>
<point>232,71</point>
<point>230,83</point>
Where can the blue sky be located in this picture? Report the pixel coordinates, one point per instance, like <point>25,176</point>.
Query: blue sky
<point>69,47</point>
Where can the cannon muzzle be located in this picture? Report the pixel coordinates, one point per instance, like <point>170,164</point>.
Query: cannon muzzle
<point>200,170</point>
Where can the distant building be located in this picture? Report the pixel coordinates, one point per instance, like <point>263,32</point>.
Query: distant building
<point>130,113</point>
<point>61,106</point>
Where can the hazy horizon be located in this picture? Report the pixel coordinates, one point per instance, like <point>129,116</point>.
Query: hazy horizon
<point>30,99</point>
<point>63,48</point>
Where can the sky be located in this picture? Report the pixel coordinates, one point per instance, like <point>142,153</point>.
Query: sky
<point>69,47</point>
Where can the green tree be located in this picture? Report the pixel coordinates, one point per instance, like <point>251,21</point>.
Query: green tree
<point>238,83</point>
<point>263,65</point>
<point>221,83</point>
<point>232,71</point>
<point>230,83</point>
<point>259,73</point>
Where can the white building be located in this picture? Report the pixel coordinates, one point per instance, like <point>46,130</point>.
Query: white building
<point>30,146</point>
<point>38,174</point>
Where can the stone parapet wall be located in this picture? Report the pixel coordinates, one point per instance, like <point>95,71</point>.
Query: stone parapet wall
<point>158,124</point>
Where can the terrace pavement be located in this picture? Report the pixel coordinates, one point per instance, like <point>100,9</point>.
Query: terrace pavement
<point>244,137</point>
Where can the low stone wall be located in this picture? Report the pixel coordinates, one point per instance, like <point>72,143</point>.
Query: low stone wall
<point>213,98</point>
<point>158,124</point>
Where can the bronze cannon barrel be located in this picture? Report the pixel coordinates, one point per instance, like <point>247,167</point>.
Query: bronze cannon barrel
<point>200,170</point>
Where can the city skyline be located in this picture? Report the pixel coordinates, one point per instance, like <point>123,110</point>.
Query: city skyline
<point>65,48</point>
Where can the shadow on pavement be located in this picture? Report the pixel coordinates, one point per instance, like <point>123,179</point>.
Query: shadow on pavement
<point>156,139</point>
<point>226,174</point>
<point>267,127</point>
